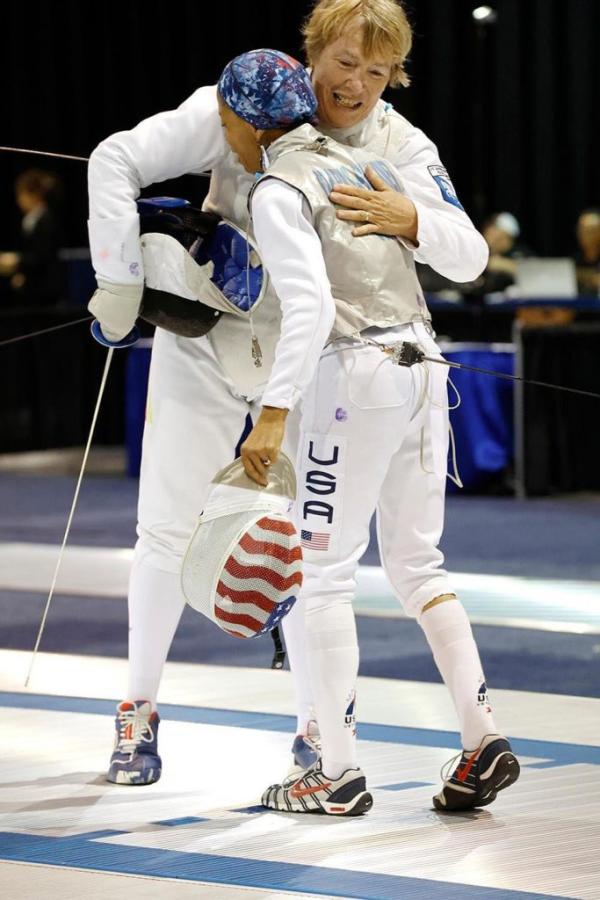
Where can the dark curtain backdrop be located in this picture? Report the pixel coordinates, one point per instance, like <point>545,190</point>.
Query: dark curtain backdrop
<point>512,109</point>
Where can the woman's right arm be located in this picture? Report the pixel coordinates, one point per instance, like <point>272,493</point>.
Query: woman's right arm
<point>185,140</point>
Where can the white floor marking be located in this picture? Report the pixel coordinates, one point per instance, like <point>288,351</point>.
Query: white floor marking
<point>546,604</point>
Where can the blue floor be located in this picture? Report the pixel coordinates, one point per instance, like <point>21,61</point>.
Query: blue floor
<point>545,538</point>
<point>514,658</point>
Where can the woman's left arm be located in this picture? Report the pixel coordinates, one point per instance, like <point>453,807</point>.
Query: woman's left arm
<point>428,217</point>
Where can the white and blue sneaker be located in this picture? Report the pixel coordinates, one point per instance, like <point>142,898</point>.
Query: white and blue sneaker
<point>479,775</point>
<point>135,758</point>
<point>312,791</point>
<point>306,749</point>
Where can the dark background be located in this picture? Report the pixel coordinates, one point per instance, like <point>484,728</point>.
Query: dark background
<point>73,72</point>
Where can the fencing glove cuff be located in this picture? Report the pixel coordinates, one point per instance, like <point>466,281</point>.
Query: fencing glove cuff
<point>116,307</point>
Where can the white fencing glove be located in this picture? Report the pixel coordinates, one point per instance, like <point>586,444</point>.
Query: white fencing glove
<point>116,307</point>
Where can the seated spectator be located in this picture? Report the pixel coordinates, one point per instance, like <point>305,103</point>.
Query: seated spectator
<point>34,272</point>
<point>501,232</point>
<point>587,259</point>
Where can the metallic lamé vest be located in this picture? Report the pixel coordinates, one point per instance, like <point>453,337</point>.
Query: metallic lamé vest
<point>373,278</point>
<point>381,134</point>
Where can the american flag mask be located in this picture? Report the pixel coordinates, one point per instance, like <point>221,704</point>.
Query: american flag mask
<point>243,565</point>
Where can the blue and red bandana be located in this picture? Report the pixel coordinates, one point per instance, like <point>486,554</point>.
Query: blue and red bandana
<point>268,89</point>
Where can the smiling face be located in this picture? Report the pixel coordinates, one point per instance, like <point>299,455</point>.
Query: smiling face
<point>241,137</point>
<point>348,83</point>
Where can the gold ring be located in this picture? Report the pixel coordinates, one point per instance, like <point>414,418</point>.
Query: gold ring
<point>365,215</point>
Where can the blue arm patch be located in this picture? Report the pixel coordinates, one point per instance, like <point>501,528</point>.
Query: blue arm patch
<point>441,177</point>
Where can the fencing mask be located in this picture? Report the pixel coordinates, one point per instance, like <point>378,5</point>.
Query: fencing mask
<point>243,565</point>
<point>196,267</point>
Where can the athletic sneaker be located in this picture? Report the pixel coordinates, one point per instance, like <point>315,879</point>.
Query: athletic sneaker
<point>479,776</point>
<point>135,758</point>
<point>306,749</point>
<point>313,792</point>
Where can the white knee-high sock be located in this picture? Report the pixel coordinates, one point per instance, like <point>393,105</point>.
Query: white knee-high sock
<point>448,632</point>
<point>155,607</point>
<point>294,631</point>
<point>333,657</point>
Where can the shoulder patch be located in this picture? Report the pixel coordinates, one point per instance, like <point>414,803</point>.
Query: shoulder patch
<point>441,177</point>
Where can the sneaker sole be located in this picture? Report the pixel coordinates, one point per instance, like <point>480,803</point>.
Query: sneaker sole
<point>504,773</point>
<point>359,805</point>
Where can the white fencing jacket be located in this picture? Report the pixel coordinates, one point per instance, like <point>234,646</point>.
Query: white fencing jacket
<point>190,140</point>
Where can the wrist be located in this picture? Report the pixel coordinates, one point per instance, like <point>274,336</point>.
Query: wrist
<point>273,414</point>
<point>409,232</point>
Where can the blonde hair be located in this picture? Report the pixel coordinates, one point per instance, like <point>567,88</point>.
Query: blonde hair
<point>385,28</point>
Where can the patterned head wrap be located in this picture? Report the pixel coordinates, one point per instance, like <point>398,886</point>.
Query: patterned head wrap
<point>268,89</point>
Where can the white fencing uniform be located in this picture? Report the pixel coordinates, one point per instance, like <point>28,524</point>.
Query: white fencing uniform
<point>201,389</point>
<point>374,435</point>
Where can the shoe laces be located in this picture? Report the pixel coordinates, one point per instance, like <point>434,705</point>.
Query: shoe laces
<point>134,728</point>
<point>448,768</point>
<point>295,777</point>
